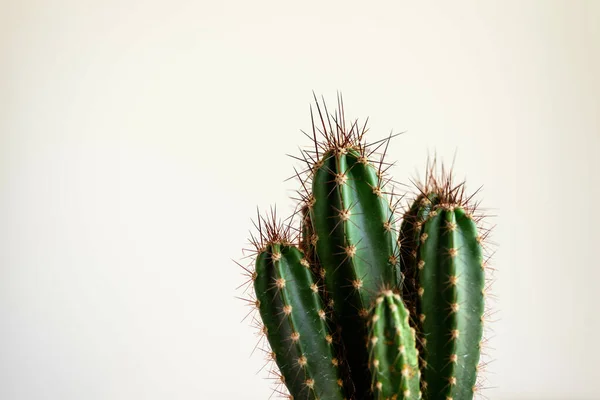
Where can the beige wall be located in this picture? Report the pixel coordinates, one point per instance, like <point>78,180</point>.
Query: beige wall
<point>137,137</point>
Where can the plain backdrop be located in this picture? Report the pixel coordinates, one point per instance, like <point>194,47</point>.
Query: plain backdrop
<point>137,139</point>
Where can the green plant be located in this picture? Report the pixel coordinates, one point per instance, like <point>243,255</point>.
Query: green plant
<point>355,243</point>
<point>384,313</point>
<point>295,319</point>
<point>447,262</point>
<point>393,357</point>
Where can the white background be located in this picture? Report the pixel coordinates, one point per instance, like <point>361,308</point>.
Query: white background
<point>138,137</point>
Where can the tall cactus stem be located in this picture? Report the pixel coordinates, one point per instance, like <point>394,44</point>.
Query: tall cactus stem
<point>356,244</point>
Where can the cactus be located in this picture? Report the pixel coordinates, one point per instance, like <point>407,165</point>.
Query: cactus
<point>295,322</point>
<point>450,284</point>
<point>356,243</point>
<point>354,309</point>
<point>393,357</point>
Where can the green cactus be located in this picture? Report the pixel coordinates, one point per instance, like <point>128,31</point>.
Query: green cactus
<point>356,243</point>
<point>295,322</point>
<point>359,311</point>
<point>450,285</point>
<point>393,357</point>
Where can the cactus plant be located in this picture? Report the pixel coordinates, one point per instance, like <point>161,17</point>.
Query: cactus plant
<point>449,283</point>
<point>295,320</point>
<point>354,238</point>
<point>393,357</point>
<point>351,307</point>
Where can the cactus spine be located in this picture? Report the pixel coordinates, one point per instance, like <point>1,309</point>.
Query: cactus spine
<point>296,324</point>
<point>393,357</point>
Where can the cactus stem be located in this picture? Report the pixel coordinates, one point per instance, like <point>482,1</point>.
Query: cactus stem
<point>293,316</point>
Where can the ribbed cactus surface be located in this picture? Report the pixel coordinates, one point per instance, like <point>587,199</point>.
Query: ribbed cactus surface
<point>356,245</point>
<point>296,323</point>
<point>393,357</point>
<point>451,284</point>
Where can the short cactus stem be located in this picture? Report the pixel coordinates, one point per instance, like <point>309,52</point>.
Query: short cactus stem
<point>393,357</point>
<point>451,302</point>
<point>296,324</point>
